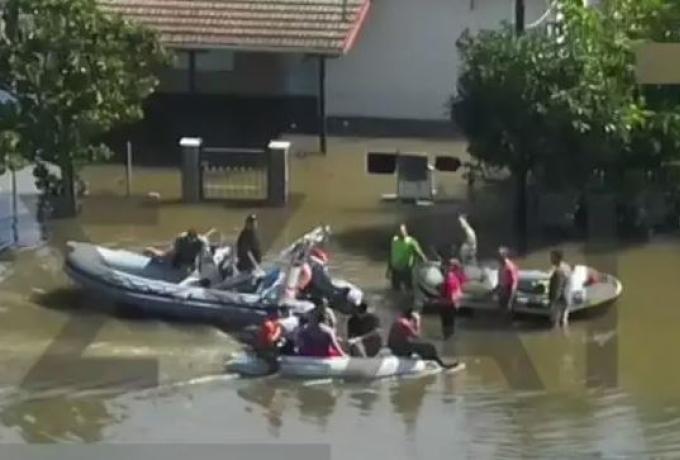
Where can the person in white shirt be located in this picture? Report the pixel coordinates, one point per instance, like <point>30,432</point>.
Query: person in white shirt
<point>468,250</point>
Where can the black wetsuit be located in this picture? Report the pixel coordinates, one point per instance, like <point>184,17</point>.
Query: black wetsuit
<point>359,325</point>
<point>186,250</point>
<point>365,326</point>
<point>247,242</point>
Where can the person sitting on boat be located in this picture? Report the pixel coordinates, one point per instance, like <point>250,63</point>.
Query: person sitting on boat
<point>248,253</point>
<point>270,338</point>
<point>452,294</point>
<point>557,289</point>
<point>315,282</point>
<point>404,339</point>
<point>404,253</point>
<point>185,250</point>
<point>508,280</point>
<point>318,340</point>
<point>207,272</point>
<point>324,311</point>
<point>363,332</point>
<point>468,250</point>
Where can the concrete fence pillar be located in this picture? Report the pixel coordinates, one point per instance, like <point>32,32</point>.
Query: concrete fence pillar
<point>277,173</point>
<point>191,169</point>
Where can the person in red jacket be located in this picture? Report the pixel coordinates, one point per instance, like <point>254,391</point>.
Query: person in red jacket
<point>404,340</point>
<point>452,294</point>
<point>508,280</point>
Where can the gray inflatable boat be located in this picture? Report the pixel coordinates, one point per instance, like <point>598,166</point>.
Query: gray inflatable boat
<point>155,288</point>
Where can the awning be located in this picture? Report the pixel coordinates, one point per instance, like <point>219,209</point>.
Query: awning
<point>326,27</point>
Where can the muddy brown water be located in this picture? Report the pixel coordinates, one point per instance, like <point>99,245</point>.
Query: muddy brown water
<point>608,387</point>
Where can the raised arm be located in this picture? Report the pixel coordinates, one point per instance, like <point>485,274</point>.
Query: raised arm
<point>470,234</point>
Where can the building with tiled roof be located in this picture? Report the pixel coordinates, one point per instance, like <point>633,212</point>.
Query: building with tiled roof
<point>254,68</point>
<point>327,27</point>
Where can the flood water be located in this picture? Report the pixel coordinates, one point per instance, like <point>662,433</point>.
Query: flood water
<point>74,372</point>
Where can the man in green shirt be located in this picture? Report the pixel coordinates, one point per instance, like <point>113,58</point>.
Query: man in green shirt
<point>404,252</point>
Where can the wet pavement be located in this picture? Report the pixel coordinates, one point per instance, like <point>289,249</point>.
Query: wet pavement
<point>74,371</point>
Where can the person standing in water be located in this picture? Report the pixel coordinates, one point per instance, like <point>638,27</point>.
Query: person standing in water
<point>404,253</point>
<point>557,290</point>
<point>452,294</point>
<point>508,280</point>
<point>248,251</point>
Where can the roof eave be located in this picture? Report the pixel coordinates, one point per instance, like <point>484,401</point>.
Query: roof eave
<point>356,28</point>
<point>257,49</point>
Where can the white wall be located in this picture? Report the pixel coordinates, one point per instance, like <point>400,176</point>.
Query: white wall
<point>404,63</point>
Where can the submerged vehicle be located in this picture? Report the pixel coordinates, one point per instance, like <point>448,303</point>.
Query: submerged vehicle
<point>587,288</point>
<point>305,367</point>
<point>156,288</point>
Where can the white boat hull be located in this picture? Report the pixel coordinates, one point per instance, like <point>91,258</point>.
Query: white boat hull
<point>532,298</point>
<point>338,368</point>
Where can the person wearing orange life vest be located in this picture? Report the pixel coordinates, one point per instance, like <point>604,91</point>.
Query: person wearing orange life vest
<point>271,340</point>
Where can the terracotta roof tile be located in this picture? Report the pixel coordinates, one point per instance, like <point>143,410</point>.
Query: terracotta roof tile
<point>310,26</point>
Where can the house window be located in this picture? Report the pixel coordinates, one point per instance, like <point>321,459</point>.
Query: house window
<point>206,60</point>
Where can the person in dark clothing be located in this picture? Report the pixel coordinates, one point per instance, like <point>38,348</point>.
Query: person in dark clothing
<point>557,290</point>
<point>184,251</point>
<point>404,339</point>
<point>248,251</point>
<point>362,332</point>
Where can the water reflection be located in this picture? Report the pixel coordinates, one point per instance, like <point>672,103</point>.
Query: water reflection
<point>316,402</point>
<point>270,398</point>
<point>364,399</point>
<point>407,396</point>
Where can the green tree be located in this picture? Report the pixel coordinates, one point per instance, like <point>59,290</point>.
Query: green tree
<point>73,72</point>
<point>562,100</point>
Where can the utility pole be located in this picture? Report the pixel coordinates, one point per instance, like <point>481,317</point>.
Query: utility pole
<point>521,196</point>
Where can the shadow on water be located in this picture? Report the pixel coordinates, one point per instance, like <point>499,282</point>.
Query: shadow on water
<point>59,419</point>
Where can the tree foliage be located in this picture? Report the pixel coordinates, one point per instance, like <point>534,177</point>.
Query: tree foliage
<point>562,100</point>
<point>74,72</point>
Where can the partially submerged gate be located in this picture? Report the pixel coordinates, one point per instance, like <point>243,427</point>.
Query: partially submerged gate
<point>234,174</point>
<point>255,176</point>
